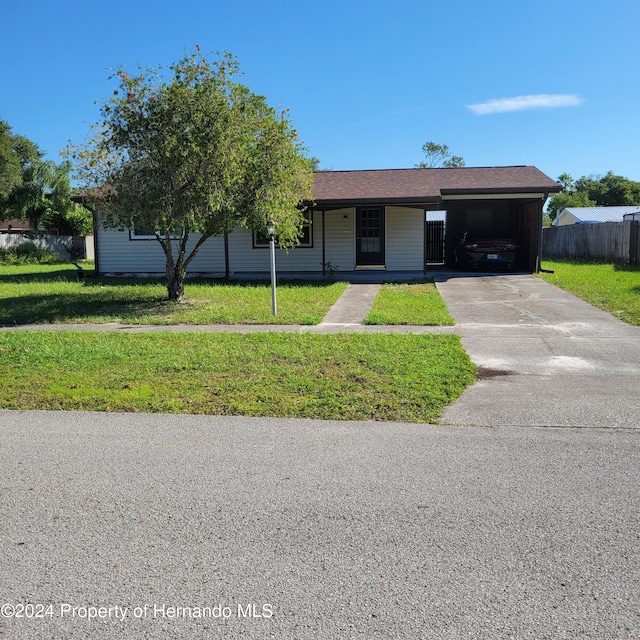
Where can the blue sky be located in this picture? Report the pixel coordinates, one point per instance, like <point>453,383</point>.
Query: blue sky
<point>551,83</point>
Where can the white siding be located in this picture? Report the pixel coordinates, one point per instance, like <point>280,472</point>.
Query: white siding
<point>243,257</point>
<point>119,254</point>
<point>565,218</point>
<point>404,248</point>
<point>405,239</point>
<point>340,239</point>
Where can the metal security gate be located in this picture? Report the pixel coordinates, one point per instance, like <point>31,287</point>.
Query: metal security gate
<point>434,242</point>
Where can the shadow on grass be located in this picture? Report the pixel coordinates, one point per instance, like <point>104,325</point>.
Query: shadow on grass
<point>617,266</point>
<point>628,268</point>
<point>202,282</point>
<point>110,299</point>
<point>70,307</point>
<point>68,274</point>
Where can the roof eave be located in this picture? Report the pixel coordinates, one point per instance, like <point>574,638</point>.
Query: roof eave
<point>524,192</point>
<point>335,203</point>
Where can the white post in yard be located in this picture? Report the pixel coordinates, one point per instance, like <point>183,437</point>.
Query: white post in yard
<point>271,227</point>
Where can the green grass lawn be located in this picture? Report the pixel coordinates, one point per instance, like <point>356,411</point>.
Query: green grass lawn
<point>341,376</point>
<point>614,288</point>
<point>409,304</point>
<point>52,294</point>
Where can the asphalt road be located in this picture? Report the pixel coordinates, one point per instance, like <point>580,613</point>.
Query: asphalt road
<point>209,527</point>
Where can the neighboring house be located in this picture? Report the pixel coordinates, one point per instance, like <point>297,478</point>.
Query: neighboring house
<point>387,220</point>
<point>591,215</point>
<point>14,226</point>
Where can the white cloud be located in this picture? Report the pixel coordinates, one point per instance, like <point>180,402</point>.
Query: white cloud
<point>524,103</point>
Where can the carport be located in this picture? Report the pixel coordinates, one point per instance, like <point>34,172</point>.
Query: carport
<point>502,218</point>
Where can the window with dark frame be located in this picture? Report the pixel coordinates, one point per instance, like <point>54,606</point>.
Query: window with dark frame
<point>260,240</point>
<point>147,233</point>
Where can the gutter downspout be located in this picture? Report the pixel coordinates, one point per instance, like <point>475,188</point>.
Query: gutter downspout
<point>324,255</point>
<point>96,254</point>
<point>539,252</point>
<point>424,242</point>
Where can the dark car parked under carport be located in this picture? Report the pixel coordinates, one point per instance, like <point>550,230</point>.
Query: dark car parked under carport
<point>474,252</point>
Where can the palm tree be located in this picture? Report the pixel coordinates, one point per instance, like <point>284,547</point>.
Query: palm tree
<point>45,188</point>
<point>567,182</point>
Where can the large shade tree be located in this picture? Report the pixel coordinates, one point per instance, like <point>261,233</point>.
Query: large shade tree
<point>192,153</point>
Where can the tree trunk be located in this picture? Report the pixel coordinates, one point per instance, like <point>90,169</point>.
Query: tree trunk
<point>177,270</point>
<point>175,283</point>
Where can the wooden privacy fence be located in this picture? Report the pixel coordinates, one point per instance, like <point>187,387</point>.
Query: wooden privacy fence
<point>49,242</point>
<point>606,241</point>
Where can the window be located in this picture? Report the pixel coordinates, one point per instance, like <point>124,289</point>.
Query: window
<point>147,233</point>
<point>306,235</point>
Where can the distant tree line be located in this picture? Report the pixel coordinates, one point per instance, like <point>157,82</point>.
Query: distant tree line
<point>438,155</point>
<point>37,190</point>
<point>593,191</point>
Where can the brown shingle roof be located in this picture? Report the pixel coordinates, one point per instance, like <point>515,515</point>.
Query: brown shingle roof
<point>16,224</point>
<point>427,185</point>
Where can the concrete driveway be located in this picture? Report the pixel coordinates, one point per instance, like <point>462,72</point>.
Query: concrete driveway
<point>546,358</point>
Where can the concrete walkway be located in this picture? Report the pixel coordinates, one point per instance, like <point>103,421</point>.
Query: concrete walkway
<point>352,306</point>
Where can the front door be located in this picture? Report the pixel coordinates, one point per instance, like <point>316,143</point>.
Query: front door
<point>370,237</point>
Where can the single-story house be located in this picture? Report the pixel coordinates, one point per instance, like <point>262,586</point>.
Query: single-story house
<point>590,215</point>
<point>401,220</point>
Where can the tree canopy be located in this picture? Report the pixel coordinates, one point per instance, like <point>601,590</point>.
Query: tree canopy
<point>594,191</point>
<point>609,190</point>
<point>438,155</point>
<point>37,190</point>
<point>17,154</point>
<point>45,190</point>
<point>193,151</point>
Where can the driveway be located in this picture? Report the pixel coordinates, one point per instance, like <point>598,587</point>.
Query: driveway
<point>546,358</point>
